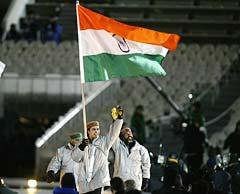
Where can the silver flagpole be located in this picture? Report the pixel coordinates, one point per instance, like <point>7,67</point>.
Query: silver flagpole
<point>82,78</point>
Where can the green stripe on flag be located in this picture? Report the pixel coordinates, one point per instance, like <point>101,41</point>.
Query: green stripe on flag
<point>107,66</point>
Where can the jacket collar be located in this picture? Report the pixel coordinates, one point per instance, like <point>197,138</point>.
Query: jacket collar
<point>69,146</point>
<point>135,146</point>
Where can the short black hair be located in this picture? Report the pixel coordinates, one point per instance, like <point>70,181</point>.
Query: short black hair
<point>197,105</point>
<point>139,107</point>
<point>124,125</point>
<point>130,185</point>
<point>68,181</point>
<point>117,184</point>
<point>134,191</point>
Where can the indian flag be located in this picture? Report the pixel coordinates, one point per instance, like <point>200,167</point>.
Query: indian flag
<point>110,49</point>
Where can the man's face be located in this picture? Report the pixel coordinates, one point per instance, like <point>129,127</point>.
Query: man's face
<point>93,132</point>
<point>127,133</point>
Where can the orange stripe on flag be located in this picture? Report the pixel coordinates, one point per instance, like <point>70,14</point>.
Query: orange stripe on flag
<point>93,20</point>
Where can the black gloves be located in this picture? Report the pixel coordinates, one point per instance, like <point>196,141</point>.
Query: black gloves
<point>117,113</point>
<point>145,183</point>
<point>50,176</point>
<point>84,143</point>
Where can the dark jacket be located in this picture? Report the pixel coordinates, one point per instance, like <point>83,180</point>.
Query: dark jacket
<point>232,142</point>
<point>58,190</point>
<point>194,140</point>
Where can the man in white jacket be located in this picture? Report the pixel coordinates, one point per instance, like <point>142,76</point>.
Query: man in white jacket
<point>92,155</point>
<point>132,161</point>
<point>63,161</point>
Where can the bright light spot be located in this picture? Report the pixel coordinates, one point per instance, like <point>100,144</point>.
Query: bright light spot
<point>31,190</point>
<point>160,159</point>
<point>184,125</point>
<point>162,178</point>
<point>32,183</point>
<point>2,182</point>
<point>190,96</point>
<point>2,67</point>
<point>151,154</point>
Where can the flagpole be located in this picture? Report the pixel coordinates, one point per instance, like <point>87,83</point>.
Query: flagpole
<point>81,72</point>
<point>82,81</point>
<point>84,112</point>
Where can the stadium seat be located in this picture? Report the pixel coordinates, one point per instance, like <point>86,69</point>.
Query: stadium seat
<point>134,2</point>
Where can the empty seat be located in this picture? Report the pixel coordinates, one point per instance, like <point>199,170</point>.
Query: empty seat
<point>173,2</point>
<point>168,15</point>
<point>129,15</point>
<point>133,2</point>
<point>213,16</point>
<point>219,3</point>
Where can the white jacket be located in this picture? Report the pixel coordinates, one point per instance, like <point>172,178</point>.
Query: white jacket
<point>63,161</point>
<point>135,165</point>
<point>100,175</point>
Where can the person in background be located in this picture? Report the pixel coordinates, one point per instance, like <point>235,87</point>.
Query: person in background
<point>194,146</point>
<point>62,161</point>
<point>130,185</point>
<point>117,185</point>
<point>138,124</point>
<point>13,34</point>
<point>31,26</point>
<point>196,115</point>
<point>68,185</point>
<point>54,30</point>
<point>232,141</point>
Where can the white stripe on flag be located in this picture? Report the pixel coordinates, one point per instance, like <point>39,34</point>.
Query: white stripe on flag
<point>100,41</point>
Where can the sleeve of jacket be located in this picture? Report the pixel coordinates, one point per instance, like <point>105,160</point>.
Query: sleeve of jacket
<point>115,145</point>
<point>77,154</point>
<point>114,132</point>
<point>146,164</point>
<point>56,161</point>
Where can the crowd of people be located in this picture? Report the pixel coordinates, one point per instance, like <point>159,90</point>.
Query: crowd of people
<point>182,174</point>
<point>88,160</point>
<point>31,29</point>
<point>84,162</point>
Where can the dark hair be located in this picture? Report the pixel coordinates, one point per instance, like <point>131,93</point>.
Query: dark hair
<point>68,181</point>
<point>135,191</point>
<point>139,107</point>
<point>197,105</point>
<point>130,185</point>
<point>117,184</point>
<point>124,125</point>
